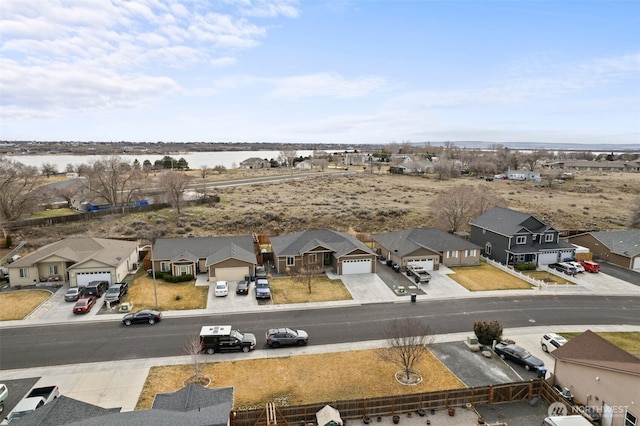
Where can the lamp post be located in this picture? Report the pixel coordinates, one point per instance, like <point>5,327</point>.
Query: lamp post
<point>153,274</point>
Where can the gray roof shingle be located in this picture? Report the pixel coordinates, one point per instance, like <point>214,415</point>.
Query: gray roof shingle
<point>297,243</point>
<point>216,248</point>
<point>626,243</point>
<point>509,222</point>
<point>407,241</point>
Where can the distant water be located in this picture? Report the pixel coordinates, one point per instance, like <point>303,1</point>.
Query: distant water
<point>228,159</point>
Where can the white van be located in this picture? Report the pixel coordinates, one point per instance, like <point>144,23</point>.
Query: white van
<point>566,421</point>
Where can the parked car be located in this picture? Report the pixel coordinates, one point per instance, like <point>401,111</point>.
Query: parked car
<point>4,394</point>
<point>395,266</point>
<point>577,265</point>
<point>261,272</point>
<point>223,338</point>
<point>84,305</point>
<point>563,267</point>
<point>146,316</point>
<point>116,292</point>
<point>74,293</point>
<point>96,288</point>
<point>552,341</point>
<point>590,266</point>
<point>263,289</point>
<point>222,289</point>
<point>242,287</point>
<point>277,337</point>
<point>519,355</point>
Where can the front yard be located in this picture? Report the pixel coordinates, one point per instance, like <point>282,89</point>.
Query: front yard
<point>171,296</point>
<point>15,305</point>
<point>288,290</point>
<point>485,277</point>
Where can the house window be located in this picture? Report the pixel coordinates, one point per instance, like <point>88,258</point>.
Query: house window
<point>630,419</point>
<point>291,260</point>
<point>24,272</point>
<point>548,238</point>
<point>184,270</point>
<point>470,253</point>
<point>53,270</point>
<point>487,248</point>
<point>164,267</point>
<point>312,258</point>
<point>521,239</point>
<point>452,254</point>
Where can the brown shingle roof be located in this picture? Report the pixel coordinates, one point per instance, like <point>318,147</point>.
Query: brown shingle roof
<point>590,349</point>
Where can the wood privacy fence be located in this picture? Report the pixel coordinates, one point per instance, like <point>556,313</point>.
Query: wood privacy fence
<point>397,404</point>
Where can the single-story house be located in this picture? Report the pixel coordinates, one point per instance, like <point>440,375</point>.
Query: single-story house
<point>304,165</point>
<point>510,237</point>
<point>601,375</point>
<point>227,258</point>
<point>77,261</point>
<point>255,163</point>
<point>587,165</point>
<point>426,247</point>
<point>621,248</point>
<point>192,405</point>
<point>322,248</point>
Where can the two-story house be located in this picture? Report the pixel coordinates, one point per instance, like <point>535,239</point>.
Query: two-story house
<point>511,237</point>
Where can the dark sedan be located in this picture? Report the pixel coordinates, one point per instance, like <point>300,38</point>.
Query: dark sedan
<point>84,305</point>
<point>242,287</point>
<point>519,355</point>
<point>277,337</point>
<point>146,316</point>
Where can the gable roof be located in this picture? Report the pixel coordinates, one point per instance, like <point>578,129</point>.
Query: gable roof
<point>509,222</point>
<point>624,243</point>
<point>408,241</point>
<point>214,249</point>
<point>62,411</point>
<point>196,398</point>
<point>80,250</point>
<point>296,243</point>
<point>590,349</point>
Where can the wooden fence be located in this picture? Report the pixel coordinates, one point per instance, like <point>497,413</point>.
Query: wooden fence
<point>397,404</point>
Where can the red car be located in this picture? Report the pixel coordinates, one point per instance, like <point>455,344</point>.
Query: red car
<point>84,305</point>
<point>590,266</point>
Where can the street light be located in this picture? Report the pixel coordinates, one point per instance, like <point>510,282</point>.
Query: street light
<point>153,274</point>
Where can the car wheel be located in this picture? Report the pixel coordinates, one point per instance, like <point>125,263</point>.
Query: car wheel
<point>1,407</point>
<point>526,367</point>
<point>275,345</point>
<point>127,322</point>
<point>246,349</point>
<point>210,351</point>
<point>301,342</point>
<point>152,321</point>
<point>544,348</point>
<point>417,280</point>
<point>502,356</point>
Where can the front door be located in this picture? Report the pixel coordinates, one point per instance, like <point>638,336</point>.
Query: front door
<point>327,259</point>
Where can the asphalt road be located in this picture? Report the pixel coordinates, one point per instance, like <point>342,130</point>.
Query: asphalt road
<point>30,346</point>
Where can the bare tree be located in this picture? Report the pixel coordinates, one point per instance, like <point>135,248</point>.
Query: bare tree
<point>112,180</point>
<point>174,184</point>
<point>49,169</point>
<point>455,208</point>
<point>193,348</point>
<point>17,183</point>
<point>635,216</point>
<point>550,176</point>
<point>286,157</point>
<point>320,163</point>
<point>308,275</point>
<point>445,168</point>
<point>408,340</point>
<point>204,171</point>
<point>66,191</point>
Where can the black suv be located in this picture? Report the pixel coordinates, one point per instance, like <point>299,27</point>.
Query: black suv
<point>96,288</point>
<point>116,292</point>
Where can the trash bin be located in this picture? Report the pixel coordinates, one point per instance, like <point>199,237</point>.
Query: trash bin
<point>413,297</point>
<point>542,372</point>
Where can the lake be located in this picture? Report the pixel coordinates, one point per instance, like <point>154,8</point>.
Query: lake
<point>228,159</point>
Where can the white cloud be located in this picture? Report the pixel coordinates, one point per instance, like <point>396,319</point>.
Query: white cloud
<point>325,85</point>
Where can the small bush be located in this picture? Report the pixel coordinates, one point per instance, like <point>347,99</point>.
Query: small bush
<point>178,297</point>
<point>525,266</point>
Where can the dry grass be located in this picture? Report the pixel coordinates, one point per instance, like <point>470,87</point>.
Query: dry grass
<point>629,341</point>
<point>288,290</point>
<point>485,277</point>
<point>171,296</point>
<point>547,277</point>
<point>302,379</point>
<point>15,305</point>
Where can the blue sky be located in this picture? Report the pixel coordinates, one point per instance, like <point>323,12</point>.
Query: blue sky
<point>320,71</point>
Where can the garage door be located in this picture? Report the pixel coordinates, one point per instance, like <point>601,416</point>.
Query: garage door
<point>547,258</point>
<point>636,263</point>
<point>356,266</point>
<point>84,278</point>
<point>426,264</point>
<point>231,274</point>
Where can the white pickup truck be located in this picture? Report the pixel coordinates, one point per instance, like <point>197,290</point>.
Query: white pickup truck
<point>35,399</point>
<point>419,274</point>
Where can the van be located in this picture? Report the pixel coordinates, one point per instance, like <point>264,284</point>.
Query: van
<point>566,421</point>
<point>96,288</point>
<point>590,266</point>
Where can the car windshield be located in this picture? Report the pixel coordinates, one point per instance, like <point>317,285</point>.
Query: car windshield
<point>72,291</point>
<point>113,290</point>
<point>237,334</point>
<point>221,286</point>
<point>262,285</point>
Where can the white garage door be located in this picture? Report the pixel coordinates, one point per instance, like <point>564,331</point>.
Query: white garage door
<point>547,258</point>
<point>84,278</point>
<point>636,263</point>
<point>356,266</point>
<point>231,274</point>
<point>426,264</point>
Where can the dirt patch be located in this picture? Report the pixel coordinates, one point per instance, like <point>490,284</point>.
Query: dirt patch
<point>15,305</point>
<point>485,277</point>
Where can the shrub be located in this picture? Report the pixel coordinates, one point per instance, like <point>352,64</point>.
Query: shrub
<point>525,266</point>
<point>487,332</point>
<point>177,278</point>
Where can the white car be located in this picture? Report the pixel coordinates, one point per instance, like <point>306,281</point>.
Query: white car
<point>577,265</point>
<point>552,341</point>
<point>222,289</point>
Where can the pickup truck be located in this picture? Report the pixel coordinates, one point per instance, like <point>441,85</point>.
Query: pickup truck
<point>35,399</point>
<point>263,290</point>
<point>419,274</point>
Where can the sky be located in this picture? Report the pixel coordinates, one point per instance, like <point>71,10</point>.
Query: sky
<point>320,71</point>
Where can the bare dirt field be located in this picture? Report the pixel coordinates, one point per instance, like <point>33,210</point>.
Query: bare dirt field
<point>364,202</point>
